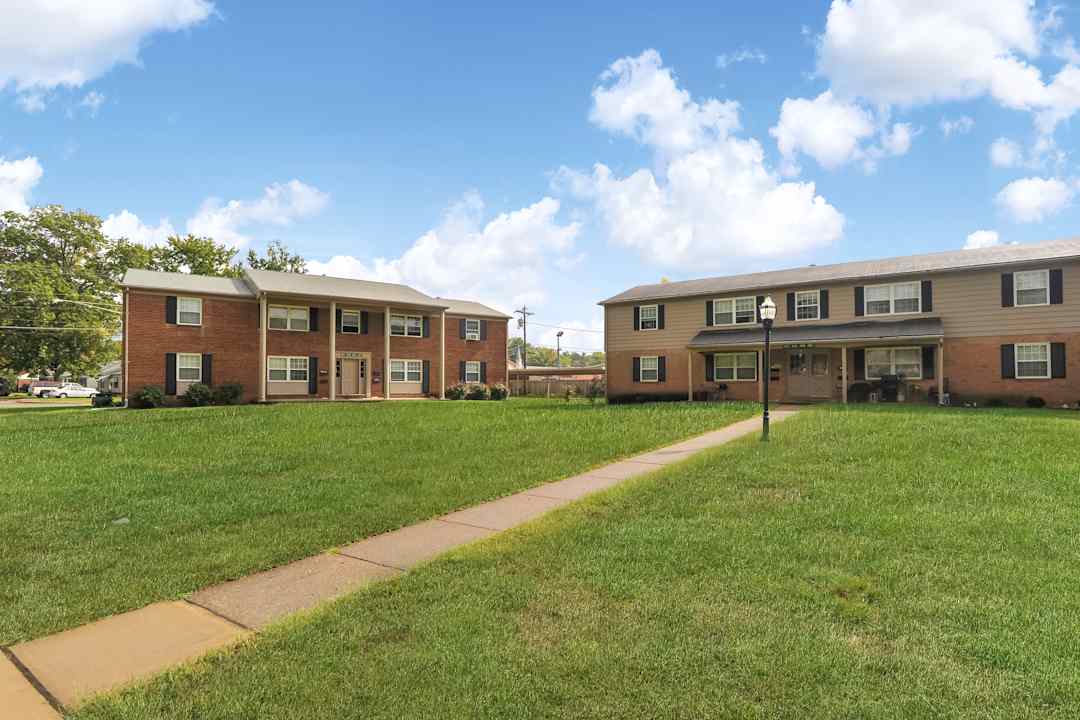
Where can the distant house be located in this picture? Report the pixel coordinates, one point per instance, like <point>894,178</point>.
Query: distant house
<point>110,378</point>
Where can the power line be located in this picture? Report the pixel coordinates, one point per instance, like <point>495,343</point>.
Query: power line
<point>568,329</point>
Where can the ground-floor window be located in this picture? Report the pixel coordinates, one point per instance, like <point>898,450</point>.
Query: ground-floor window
<point>906,361</point>
<point>735,366</point>
<point>1033,360</point>
<point>472,371</point>
<point>406,371</point>
<point>189,367</point>
<point>282,368</point>
<point>650,369</point>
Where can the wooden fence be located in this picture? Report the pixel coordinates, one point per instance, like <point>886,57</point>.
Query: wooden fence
<point>552,387</point>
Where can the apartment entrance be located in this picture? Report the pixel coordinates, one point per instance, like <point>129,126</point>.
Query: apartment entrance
<point>351,374</point>
<point>809,375</point>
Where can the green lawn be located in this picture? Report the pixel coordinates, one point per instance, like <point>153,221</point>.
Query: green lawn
<point>210,494</point>
<point>867,563</point>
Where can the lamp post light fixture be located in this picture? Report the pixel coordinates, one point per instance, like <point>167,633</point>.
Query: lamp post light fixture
<point>768,314</point>
<point>558,349</point>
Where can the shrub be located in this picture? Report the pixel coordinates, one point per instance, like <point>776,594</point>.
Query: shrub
<point>227,394</point>
<point>477,392</point>
<point>456,392</point>
<point>499,391</point>
<point>104,399</point>
<point>569,393</point>
<point>197,395</point>
<point>996,403</point>
<point>1035,402</point>
<point>595,389</point>
<point>151,396</point>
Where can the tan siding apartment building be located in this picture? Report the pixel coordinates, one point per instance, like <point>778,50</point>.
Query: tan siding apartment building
<point>969,325</point>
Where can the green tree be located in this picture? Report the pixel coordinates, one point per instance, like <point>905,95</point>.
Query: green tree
<point>277,258</point>
<point>197,256</point>
<point>540,356</point>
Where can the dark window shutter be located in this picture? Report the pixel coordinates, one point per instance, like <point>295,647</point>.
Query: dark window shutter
<point>1057,360</point>
<point>170,309</point>
<point>858,359</point>
<point>461,371</point>
<point>661,369</point>
<point>823,307</point>
<point>708,312</point>
<point>425,382</point>
<point>170,373</point>
<point>425,326</point>
<point>483,329</point>
<point>791,306</point>
<point>1008,358</point>
<point>363,322</point>
<point>927,296</point>
<point>1057,290</point>
<point>483,372</point>
<point>929,361</point>
<point>1006,290</point>
<point>637,317</point>
<point>757,307</point>
<point>337,320</point>
<point>461,328</point>
<point>710,363</point>
<point>313,375</point>
<point>208,369</point>
<point>660,317</point>
<point>860,301</point>
<point>313,319</point>
<point>637,369</point>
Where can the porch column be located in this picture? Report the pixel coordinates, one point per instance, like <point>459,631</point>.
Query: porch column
<point>442,355</point>
<point>690,375</point>
<point>843,372</point>
<point>263,320</point>
<point>333,349</point>
<point>386,350</point>
<point>941,372</point>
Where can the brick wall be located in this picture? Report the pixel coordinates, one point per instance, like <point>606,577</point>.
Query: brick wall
<point>973,370</point>
<point>492,351</point>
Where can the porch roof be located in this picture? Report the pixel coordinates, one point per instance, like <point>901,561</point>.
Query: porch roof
<point>862,331</point>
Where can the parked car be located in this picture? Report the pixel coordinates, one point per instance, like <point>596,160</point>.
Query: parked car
<point>39,390</point>
<point>5,388</point>
<point>67,390</point>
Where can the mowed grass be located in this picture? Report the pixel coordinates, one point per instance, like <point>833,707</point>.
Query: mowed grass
<point>871,563</point>
<point>105,511</point>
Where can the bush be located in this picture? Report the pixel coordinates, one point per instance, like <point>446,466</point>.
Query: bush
<point>456,392</point>
<point>101,400</point>
<point>595,390</point>
<point>499,391</point>
<point>477,392</point>
<point>151,396</point>
<point>1035,402</point>
<point>197,395</point>
<point>227,394</point>
<point>996,403</point>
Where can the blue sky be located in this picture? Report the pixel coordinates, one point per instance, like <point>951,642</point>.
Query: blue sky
<point>553,156</point>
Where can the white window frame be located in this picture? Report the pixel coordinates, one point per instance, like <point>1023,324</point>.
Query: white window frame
<point>288,369</point>
<point>732,314</point>
<point>735,367</point>
<point>405,325</point>
<point>359,321</point>
<point>654,360</point>
<point>469,333</point>
<point>1016,288</point>
<point>180,366</point>
<point>180,310</point>
<point>1016,361</point>
<point>409,368</point>
<point>892,362</point>
<point>892,298</point>
<point>472,369</point>
<point>655,319</point>
<point>817,304</point>
<point>301,312</point>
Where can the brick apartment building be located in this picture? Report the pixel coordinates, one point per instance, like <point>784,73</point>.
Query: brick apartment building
<point>1000,322</point>
<point>286,335</point>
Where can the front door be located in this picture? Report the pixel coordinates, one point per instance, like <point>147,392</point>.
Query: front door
<point>808,374</point>
<point>349,376</point>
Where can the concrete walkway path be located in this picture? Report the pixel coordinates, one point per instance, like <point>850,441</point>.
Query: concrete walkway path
<point>41,677</point>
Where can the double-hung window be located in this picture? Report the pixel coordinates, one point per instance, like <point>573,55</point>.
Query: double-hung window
<point>188,311</point>
<point>284,317</point>
<point>282,368</point>
<point>650,369</point>
<point>649,317</point>
<point>350,322</point>
<point>735,366</point>
<point>472,371</point>
<point>893,299</point>
<point>189,367</point>
<point>807,305</point>
<point>1031,287</point>
<point>1033,360</point>
<point>734,311</point>
<point>411,371</point>
<point>894,361</point>
<point>407,325</point>
<point>472,329</point>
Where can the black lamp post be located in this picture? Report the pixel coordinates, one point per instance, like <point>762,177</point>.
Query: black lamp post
<point>768,314</point>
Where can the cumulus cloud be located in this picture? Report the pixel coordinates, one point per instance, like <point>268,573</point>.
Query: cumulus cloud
<point>280,204</point>
<point>93,101</point>
<point>959,126</point>
<point>741,55</point>
<point>1006,153</point>
<point>126,224</point>
<point>17,179</point>
<point>1033,199</point>
<point>503,259</point>
<point>982,239</point>
<point>712,200</point>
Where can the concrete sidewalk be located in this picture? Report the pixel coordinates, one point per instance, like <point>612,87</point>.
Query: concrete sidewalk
<point>40,677</point>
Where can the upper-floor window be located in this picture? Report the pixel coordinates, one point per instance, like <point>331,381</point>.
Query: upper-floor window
<point>894,361</point>
<point>472,371</point>
<point>1033,360</point>
<point>1031,287</point>
<point>189,367</point>
<point>472,329</point>
<point>734,311</point>
<point>650,315</point>
<point>188,311</point>
<point>894,299</point>
<point>407,325</point>
<point>350,321</point>
<point>285,317</point>
<point>807,305</point>
<point>406,371</point>
<point>650,369</point>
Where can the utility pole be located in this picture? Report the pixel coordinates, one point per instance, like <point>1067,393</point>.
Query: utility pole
<point>523,323</point>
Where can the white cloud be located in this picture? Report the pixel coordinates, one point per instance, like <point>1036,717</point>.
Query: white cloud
<point>93,101</point>
<point>280,204</point>
<point>1034,199</point>
<point>501,262</point>
<point>126,224</point>
<point>31,102</point>
<point>741,55</point>
<point>17,179</point>
<point>45,44</point>
<point>960,126</point>
<point>712,201</point>
<point>1006,153</point>
<point>982,239</point>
